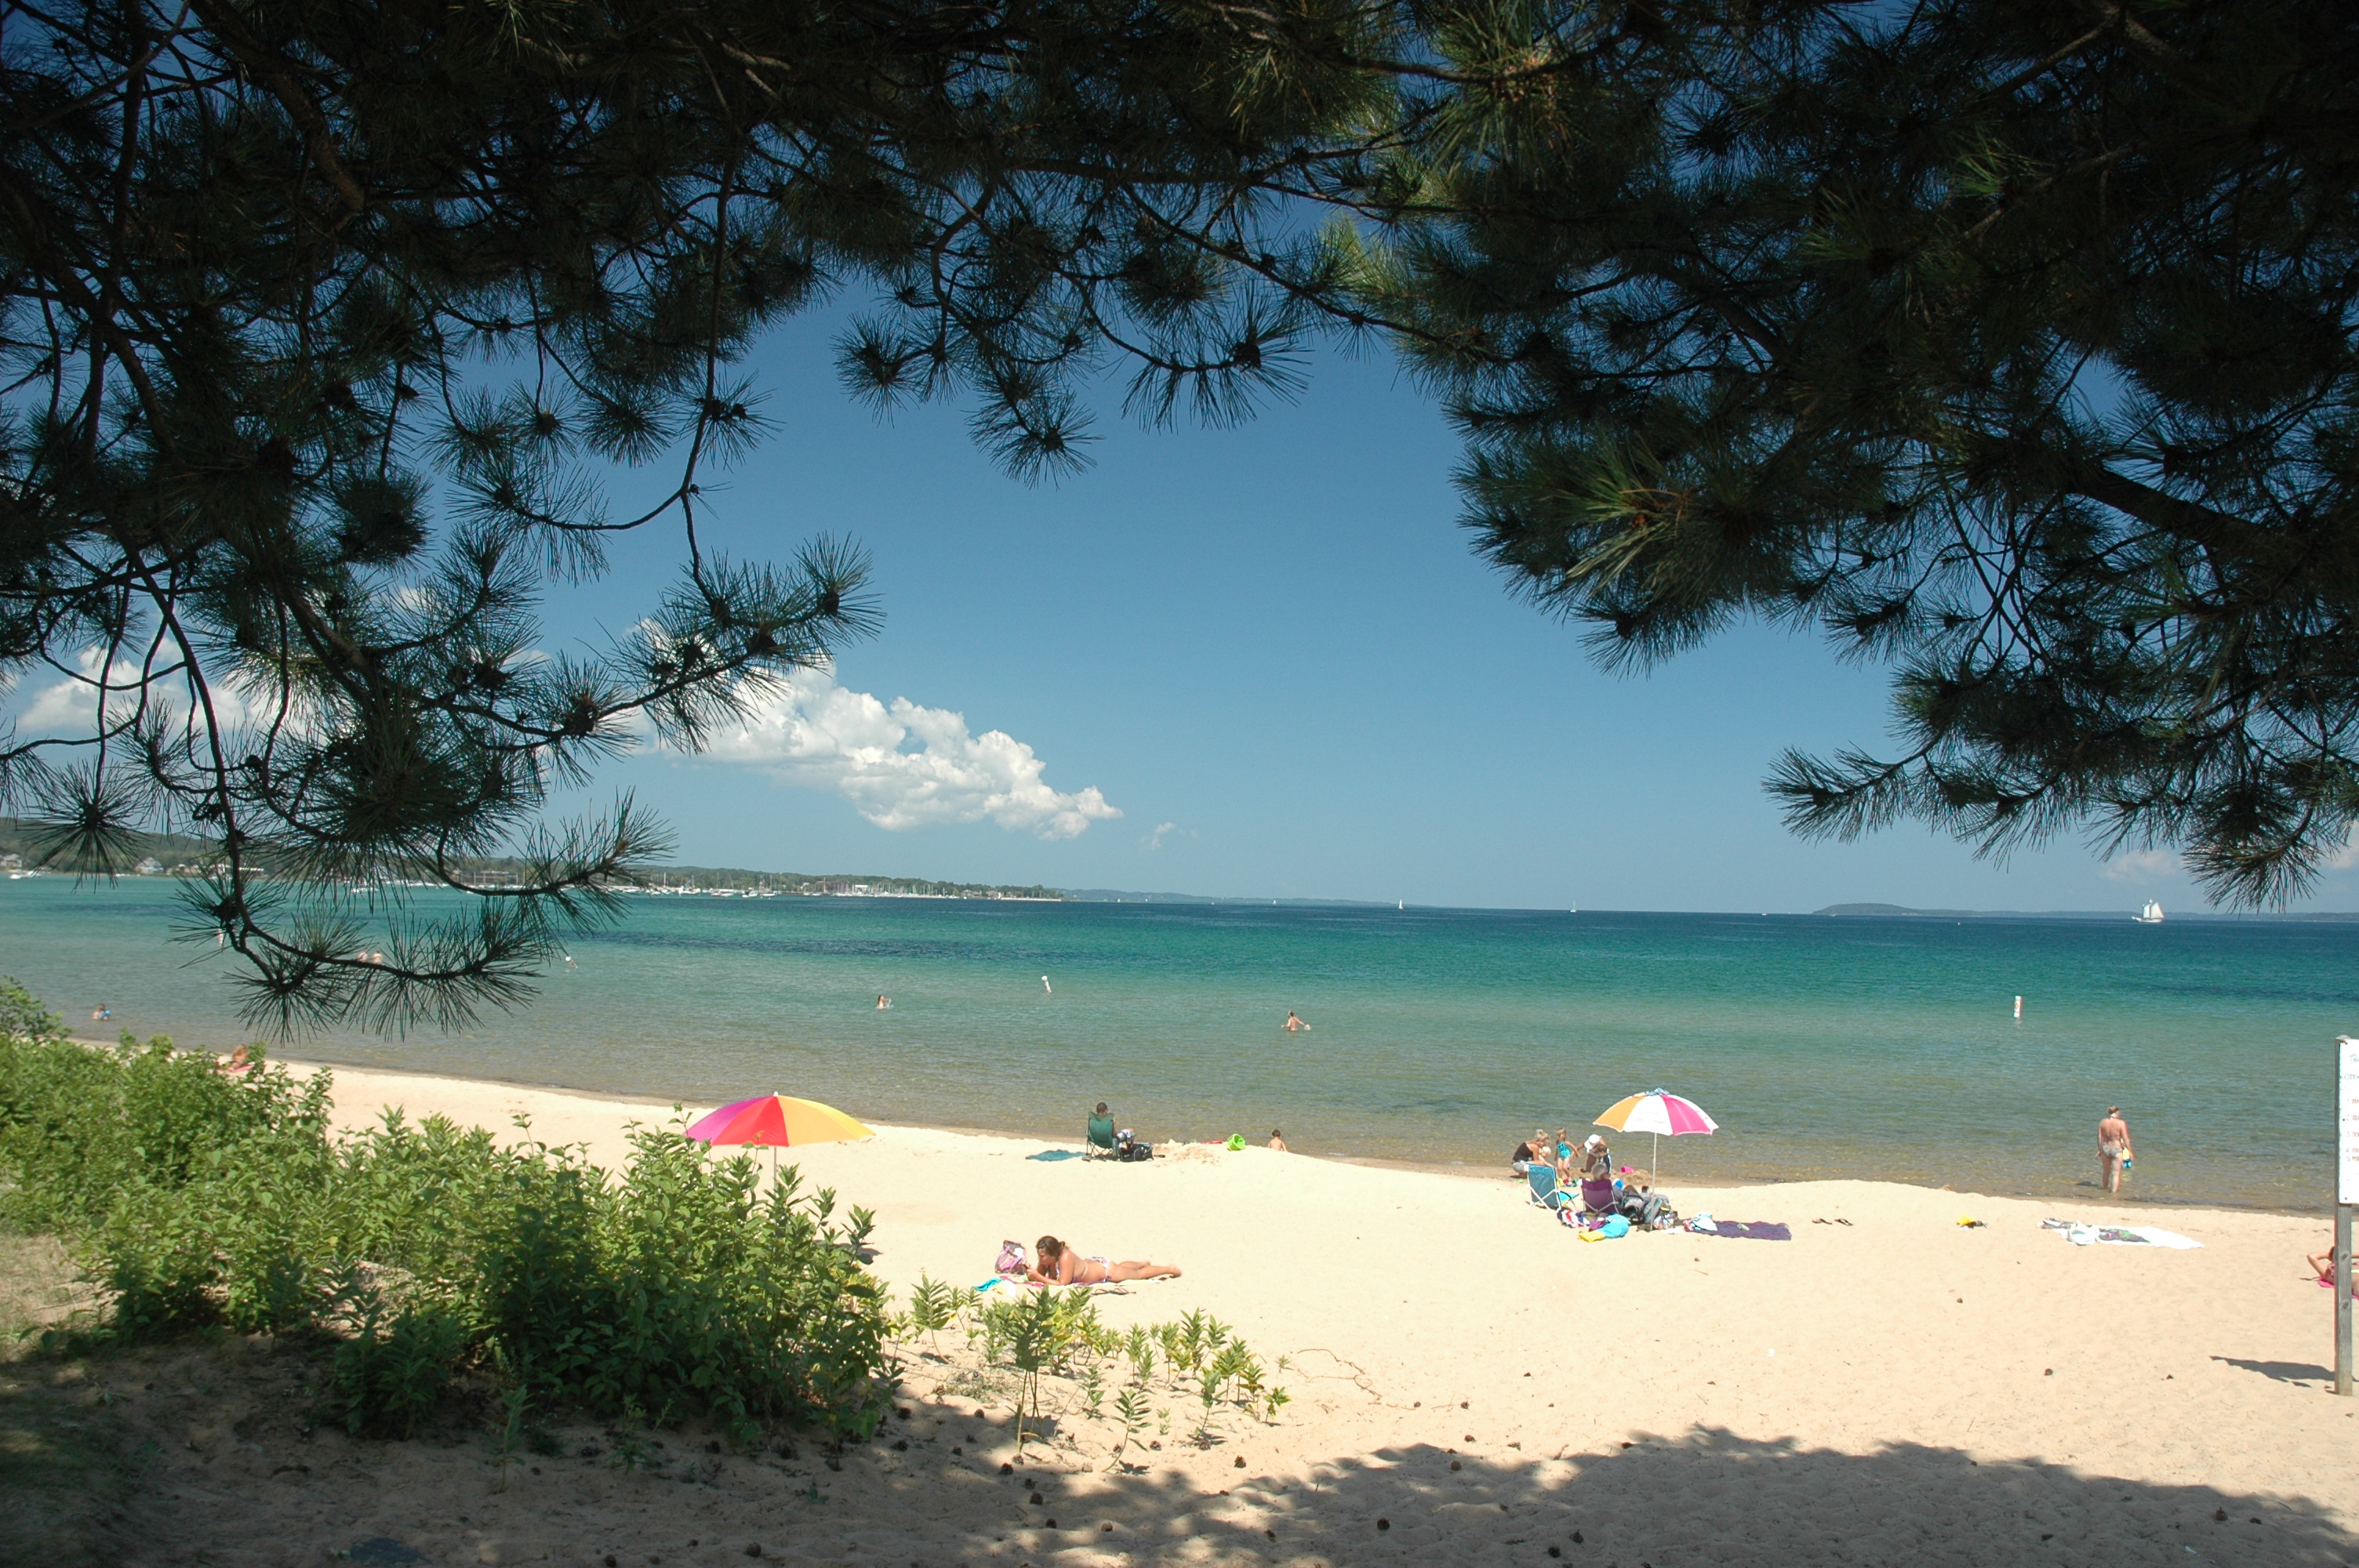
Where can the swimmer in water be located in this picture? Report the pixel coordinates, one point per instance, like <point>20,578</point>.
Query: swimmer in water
<point>1047,986</point>
<point>884,1003</point>
<point>1292,1022</point>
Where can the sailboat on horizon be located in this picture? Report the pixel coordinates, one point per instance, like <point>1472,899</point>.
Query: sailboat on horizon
<point>2151,915</point>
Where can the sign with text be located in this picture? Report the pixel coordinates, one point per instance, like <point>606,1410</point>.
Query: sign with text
<point>2346,1111</point>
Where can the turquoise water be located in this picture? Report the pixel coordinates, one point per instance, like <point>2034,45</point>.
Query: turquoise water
<point>1880,1048</point>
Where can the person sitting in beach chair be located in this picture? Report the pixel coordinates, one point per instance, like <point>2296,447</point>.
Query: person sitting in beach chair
<point>1546,1191</point>
<point>1100,1145</point>
<point>1597,1194</point>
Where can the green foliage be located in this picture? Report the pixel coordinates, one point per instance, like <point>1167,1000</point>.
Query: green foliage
<point>680,1286</point>
<point>933,1306</point>
<point>1046,1336</point>
<point>2008,344</point>
<point>389,1375</point>
<point>1131,1409</point>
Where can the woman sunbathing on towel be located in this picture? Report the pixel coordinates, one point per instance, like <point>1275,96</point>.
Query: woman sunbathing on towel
<point>1061,1265</point>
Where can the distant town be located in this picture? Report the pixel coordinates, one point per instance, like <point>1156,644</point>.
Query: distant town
<point>22,854</point>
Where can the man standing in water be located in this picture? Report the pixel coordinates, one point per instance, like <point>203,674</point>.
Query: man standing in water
<point>2114,1149</point>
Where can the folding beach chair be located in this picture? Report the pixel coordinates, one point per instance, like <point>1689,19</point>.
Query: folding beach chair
<point>1545,1192</point>
<point>1100,1145</point>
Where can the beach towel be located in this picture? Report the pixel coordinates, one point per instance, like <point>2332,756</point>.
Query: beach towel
<point>2129,1236</point>
<point>1056,1155</point>
<point>1753,1230</point>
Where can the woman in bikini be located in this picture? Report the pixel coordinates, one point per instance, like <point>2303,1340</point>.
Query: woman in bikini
<point>1061,1265</point>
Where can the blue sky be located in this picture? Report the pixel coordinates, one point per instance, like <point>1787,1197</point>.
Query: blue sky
<point>1270,653</point>
<point>1273,643</point>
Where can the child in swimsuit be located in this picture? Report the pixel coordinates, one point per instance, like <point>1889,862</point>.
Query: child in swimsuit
<point>1061,1265</point>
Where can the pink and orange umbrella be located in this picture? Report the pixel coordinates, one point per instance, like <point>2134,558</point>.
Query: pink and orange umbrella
<point>1657,1113</point>
<point>777,1122</point>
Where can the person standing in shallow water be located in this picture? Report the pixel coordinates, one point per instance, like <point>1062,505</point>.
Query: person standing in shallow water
<point>2114,1149</point>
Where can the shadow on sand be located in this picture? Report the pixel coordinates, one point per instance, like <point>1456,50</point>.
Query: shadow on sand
<point>211,1460</point>
<point>1705,1497</point>
<point>2299,1373</point>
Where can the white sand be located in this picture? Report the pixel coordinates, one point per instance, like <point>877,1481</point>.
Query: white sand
<point>1897,1390</point>
<point>1892,1390</point>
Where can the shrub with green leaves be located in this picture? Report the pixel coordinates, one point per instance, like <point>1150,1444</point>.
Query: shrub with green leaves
<point>681,1286</point>
<point>390,1376</point>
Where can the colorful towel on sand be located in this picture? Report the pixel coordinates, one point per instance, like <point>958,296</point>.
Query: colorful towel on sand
<point>1753,1230</point>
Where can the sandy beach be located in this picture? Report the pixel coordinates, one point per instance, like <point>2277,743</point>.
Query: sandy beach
<point>1470,1382</point>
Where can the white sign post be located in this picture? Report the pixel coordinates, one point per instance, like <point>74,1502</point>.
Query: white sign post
<point>2346,1195</point>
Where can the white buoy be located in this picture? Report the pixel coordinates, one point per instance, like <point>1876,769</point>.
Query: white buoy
<point>2018,1007</point>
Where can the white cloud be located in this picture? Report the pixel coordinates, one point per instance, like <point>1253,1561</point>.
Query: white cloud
<point>70,708</point>
<point>902,765</point>
<point>1154,839</point>
<point>2345,858</point>
<point>2142,866</point>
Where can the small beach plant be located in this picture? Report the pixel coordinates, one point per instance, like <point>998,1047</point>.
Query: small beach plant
<point>1044,1338</point>
<point>933,1306</point>
<point>388,1377</point>
<point>1129,1409</point>
<point>1139,1345</point>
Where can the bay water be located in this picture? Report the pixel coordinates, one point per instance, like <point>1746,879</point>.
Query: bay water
<point>1884,1048</point>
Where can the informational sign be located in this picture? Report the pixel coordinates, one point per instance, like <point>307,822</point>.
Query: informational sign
<point>2346,1112</point>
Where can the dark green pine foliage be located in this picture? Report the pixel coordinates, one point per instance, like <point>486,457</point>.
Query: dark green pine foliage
<point>2008,343</point>
<point>325,328</point>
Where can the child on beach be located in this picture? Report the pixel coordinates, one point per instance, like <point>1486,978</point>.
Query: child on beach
<point>1061,1265</point>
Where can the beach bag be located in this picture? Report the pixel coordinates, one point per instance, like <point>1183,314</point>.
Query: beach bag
<point>1011,1259</point>
<point>1128,1148</point>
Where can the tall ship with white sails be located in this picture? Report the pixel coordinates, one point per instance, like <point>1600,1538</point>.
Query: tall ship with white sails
<point>2151,915</point>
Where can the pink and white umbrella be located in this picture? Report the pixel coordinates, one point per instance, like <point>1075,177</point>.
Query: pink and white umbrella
<point>1657,1113</point>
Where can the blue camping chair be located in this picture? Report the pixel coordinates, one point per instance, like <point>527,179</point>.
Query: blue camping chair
<point>1545,1192</point>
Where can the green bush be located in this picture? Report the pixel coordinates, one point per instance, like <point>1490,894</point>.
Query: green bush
<point>388,1377</point>
<point>81,1129</point>
<point>679,1287</point>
